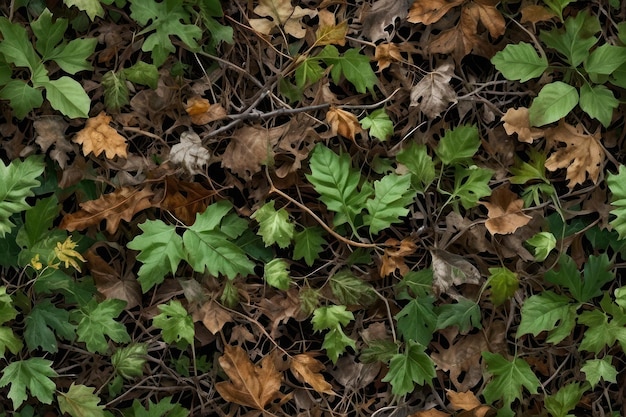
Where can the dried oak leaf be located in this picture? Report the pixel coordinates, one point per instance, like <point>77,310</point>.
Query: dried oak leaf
<point>185,199</point>
<point>307,369</point>
<point>98,137</point>
<point>51,133</point>
<point>190,153</point>
<point>122,204</point>
<point>295,145</point>
<point>250,385</point>
<point>281,13</point>
<point>433,93</point>
<point>430,11</point>
<point>582,154</point>
<point>111,281</point>
<point>202,112</point>
<point>505,214</point>
<point>385,54</point>
<point>329,32</point>
<point>518,121</point>
<point>394,254</point>
<point>343,123</point>
<point>212,315</point>
<point>381,15</point>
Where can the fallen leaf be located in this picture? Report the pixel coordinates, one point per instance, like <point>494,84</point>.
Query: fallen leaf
<point>353,374</point>
<point>295,145</point>
<point>518,121</point>
<point>432,94</point>
<point>430,11</point>
<point>51,133</point>
<point>306,368</point>
<point>451,269</point>
<point>185,199</point>
<point>582,154</point>
<point>202,112</point>
<point>282,307</point>
<point>485,12</point>
<point>382,14</point>
<point>462,400</point>
<point>190,153</point>
<point>329,32</point>
<point>122,204</point>
<point>111,281</point>
<point>385,54</point>
<point>343,123</point>
<point>250,385</point>
<point>430,413</point>
<point>98,137</point>
<point>535,13</point>
<point>281,13</point>
<point>505,214</point>
<point>212,315</point>
<point>394,254</point>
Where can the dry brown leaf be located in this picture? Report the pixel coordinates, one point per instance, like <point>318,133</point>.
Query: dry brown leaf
<point>51,133</point>
<point>295,145</point>
<point>535,13</point>
<point>451,269</point>
<point>385,54</point>
<point>98,137</point>
<point>430,11</point>
<point>307,369</point>
<point>112,282</point>
<point>329,32</point>
<point>281,13</point>
<point>393,257</point>
<point>212,315</point>
<point>250,385</point>
<point>518,121</point>
<point>430,413</point>
<point>485,12</point>
<point>185,199</point>
<point>190,153</point>
<point>462,400</point>
<point>202,112</point>
<point>282,307</point>
<point>122,204</point>
<point>433,93</point>
<point>582,154</point>
<point>382,14</point>
<point>505,214</point>
<point>343,123</point>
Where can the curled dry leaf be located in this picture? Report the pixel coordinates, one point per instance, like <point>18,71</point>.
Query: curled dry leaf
<point>281,13</point>
<point>343,123</point>
<point>307,369</point>
<point>329,32</point>
<point>112,282</point>
<point>98,137</point>
<point>51,133</point>
<point>190,153</point>
<point>505,214</point>
<point>185,199</point>
<point>430,11</point>
<point>202,112</point>
<point>212,315</point>
<point>485,12</point>
<point>433,93</point>
<point>385,54</point>
<point>393,257</point>
<point>430,413</point>
<point>462,400</point>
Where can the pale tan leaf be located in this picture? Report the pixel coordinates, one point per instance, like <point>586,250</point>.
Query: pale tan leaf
<point>280,13</point>
<point>385,54</point>
<point>430,11</point>
<point>380,16</point>
<point>505,214</point>
<point>433,93</point>
<point>51,134</point>
<point>213,316</point>
<point>343,123</point>
<point>451,269</point>
<point>485,11</point>
<point>462,400</point>
<point>518,121</point>
<point>430,413</point>
<point>394,254</point>
<point>329,32</point>
<point>98,137</point>
<point>190,153</point>
<point>202,112</point>
<point>306,368</point>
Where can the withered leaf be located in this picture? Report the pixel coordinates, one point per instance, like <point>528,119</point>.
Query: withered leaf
<point>518,121</point>
<point>212,315</point>
<point>381,15</point>
<point>190,153</point>
<point>98,137</point>
<point>505,212</point>
<point>280,13</point>
<point>433,93</point>
<point>306,368</point>
<point>451,269</point>
<point>430,11</point>
<point>485,12</point>
<point>202,112</point>
<point>185,199</point>
<point>385,54</point>
<point>51,133</point>
<point>534,13</point>
<point>462,400</point>
<point>394,254</point>
<point>111,281</point>
<point>329,32</point>
<point>343,123</point>
<point>433,412</point>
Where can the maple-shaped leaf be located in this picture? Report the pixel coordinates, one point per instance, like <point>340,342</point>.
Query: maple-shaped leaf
<point>486,12</point>
<point>598,369</point>
<point>385,54</point>
<point>550,312</point>
<point>164,408</point>
<point>418,330</point>
<point>121,204</point>
<point>212,315</point>
<point>80,401</point>
<point>565,399</point>
<point>280,13</point>
<point>413,366</point>
<point>617,186</point>
<point>433,93</point>
<point>430,11</point>
<point>276,274</point>
<point>379,124</point>
<point>43,321</point>
<point>542,244</point>
<point>250,385</point>
<point>175,322</point>
<point>329,32</point>
<point>582,154</point>
<point>51,135</point>
<point>98,136</point>
<point>394,254</point>
<point>458,144</point>
<point>97,320</point>
<point>129,361</point>
<point>467,401</point>
<point>8,339</point>
<point>34,374</point>
<point>352,65</point>
<point>509,378</point>
<point>471,184</point>
<point>343,123</point>
<point>596,274</point>
<point>575,38</point>
<point>392,198</point>
<point>604,329</point>
<point>503,283</point>
<point>336,342</point>
<point>518,121</point>
<point>307,369</point>
<point>329,317</point>
<point>309,243</point>
<point>419,163</point>
<point>112,281</point>
<point>464,313</point>
<point>351,290</point>
<point>190,153</point>
<point>505,214</point>
<point>274,225</point>
<point>186,199</point>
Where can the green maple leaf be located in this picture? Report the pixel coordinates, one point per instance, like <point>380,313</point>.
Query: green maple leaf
<point>34,374</point>
<point>161,409</point>
<point>274,225</point>
<point>392,196</point>
<point>542,244</point>
<point>464,313</point>
<point>8,340</point>
<point>417,320</point>
<point>542,312</point>
<point>336,342</point>
<point>509,378</point>
<point>458,144</point>
<point>129,361</point>
<point>565,400</point>
<point>411,367</point>
<point>601,331</point>
<point>161,250</point>
<point>416,284</point>
<point>43,321</point>
<point>598,369</point>
<point>353,65</point>
<point>276,273</point>
<point>308,72</point>
<point>329,317</point>
<point>470,185</point>
<point>351,290</point>
<point>175,322</point>
<point>80,401</point>
<point>596,274</point>
<point>520,62</point>
<point>309,243</point>
<point>97,320</point>
<point>617,186</point>
<point>576,39</point>
<point>503,283</point>
<point>421,166</point>
<point>379,124</point>
<point>93,8</point>
<point>378,350</point>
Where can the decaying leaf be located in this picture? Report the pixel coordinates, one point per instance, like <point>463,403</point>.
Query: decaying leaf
<point>518,121</point>
<point>485,12</point>
<point>385,54</point>
<point>329,32</point>
<point>433,412</point>
<point>51,133</point>
<point>433,93</point>
<point>451,269</point>
<point>122,204</point>
<point>505,212</point>
<point>212,315</point>
<point>467,401</point>
<point>343,123</point>
<point>98,137</point>
<point>307,369</point>
<point>295,145</point>
<point>582,154</point>
<point>534,13</point>
<point>185,199</point>
<point>381,15</point>
<point>202,112</point>
<point>393,257</point>
<point>282,307</point>
<point>190,153</point>
<point>280,13</point>
<point>111,281</point>
<point>250,385</point>
<point>430,11</point>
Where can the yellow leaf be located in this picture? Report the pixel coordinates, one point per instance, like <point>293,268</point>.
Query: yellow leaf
<point>65,253</point>
<point>98,137</point>
<point>329,32</point>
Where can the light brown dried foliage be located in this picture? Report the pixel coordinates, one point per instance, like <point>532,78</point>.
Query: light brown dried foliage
<point>518,121</point>
<point>394,254</point>
<point>505,214</point>
<point>202,112</point>
<point>112,281</point>
<point>343,123</point>
<point>433,93</point>
<point>98,137</point>
<point>280,13</point>
<point>430,11</point>
<point>329,32</point>
<point>385,54</point>
<point>212,315</point>
<point>307,369</point>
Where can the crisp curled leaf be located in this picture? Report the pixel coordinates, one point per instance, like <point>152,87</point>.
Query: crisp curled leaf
<point>392,197</point>
<point>34,374</point>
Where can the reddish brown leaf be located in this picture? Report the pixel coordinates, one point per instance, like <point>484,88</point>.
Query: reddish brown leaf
<point>393,257</point>
<point>505,212</point>
<point>185,199</point>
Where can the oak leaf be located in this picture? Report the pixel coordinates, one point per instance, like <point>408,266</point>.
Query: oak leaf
<point>430,11</point>
<point>306,368</point>
<point>582,154</point>
<point>250,385</point>
<point>505,212</point>
<point>385,54</point>
<point>433,93</point>
<point>190,153</point>
<point>202,112</point>
<point>485,12</point>
<point>329,32</point>
<point>343,123</point>
<point>518,121</point>
<point>280,13</point>
<point>122,204</point>
<point>212,315</point>
<point>97,137</point>
<point>394,254</point>
<point>467,402</point>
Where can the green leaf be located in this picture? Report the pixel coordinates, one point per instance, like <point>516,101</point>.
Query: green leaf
<point>274,226</point>
<point>308,72</point>
<point>598,102</point>
<point>160,409</point>
<point>555,101</point>
<point>544,311</point>
<point>48,33</point>
<point>379,124</point>
<point>67,96</point>
<point>351,290</point>
<point>80,401</point>
<point>503,283</point>
<point>565,400</point>
<point>142,73</point>
<point>129,361</point>
<point>542,244</point>
<point>596,275</point>
<point>116,94</point>
<point>91,7</point>
<point>16,46</point>
<point>471,184</point>
<point>8,340</point>
<point>309,243</point>
<point>336,342</point>
<point>392,197</point>
<point>575,41</point>
<point>520,62</point>
<point>175,323</point>
<point>97,320</point>
<point>421,166</point>
<point>17,181</point>
<point>73,56</point>
<point>605,59</point>
<point>557,6</point>
<point>23,97</point>
<point>465,314</point>
<point>411,367</point>
<point>458,144</point>
<point>601,331</point>
<point>379,350</point>
<point>330,317</point>
<point>43,321</point>
<point>617,186</point>
<point>533,170</point>
<point>39,219</point>
<point>161,250</point>
<point>417,320</point>
<point>276,273</point>
<point>416,284</point>
<point>353,65</point>
<point>599,369</point>
<point>509,378</point>
<point>34,374</point>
